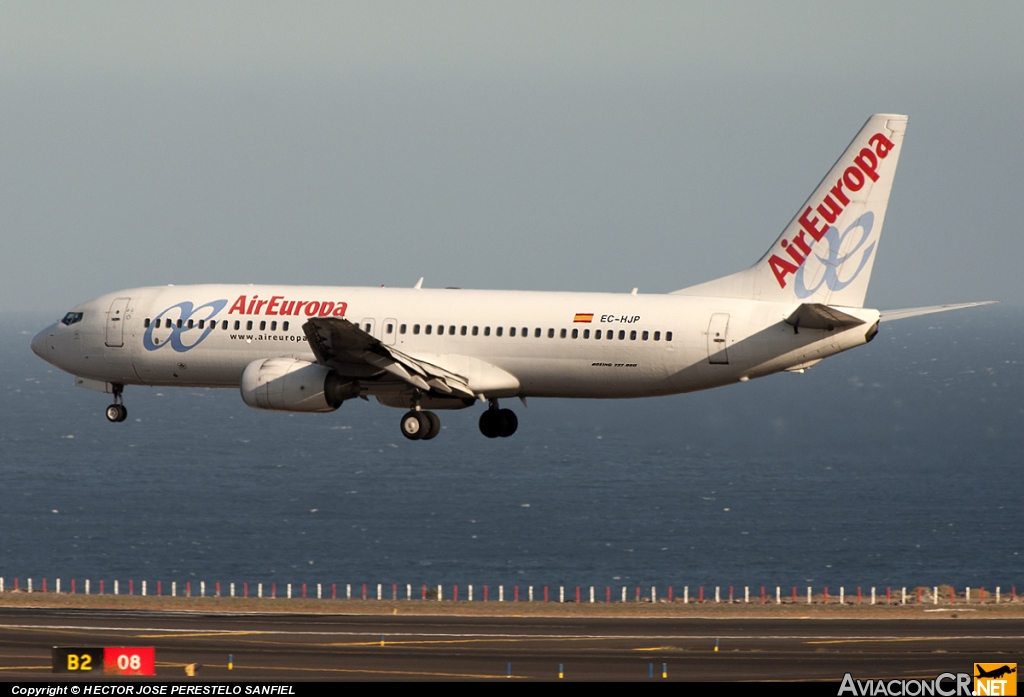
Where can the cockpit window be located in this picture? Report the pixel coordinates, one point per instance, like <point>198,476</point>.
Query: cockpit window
<point>71,317</point>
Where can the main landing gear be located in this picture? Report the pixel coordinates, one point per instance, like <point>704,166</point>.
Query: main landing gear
<point>420,425</point>
<point>497,422</point>
<point>117,412</point>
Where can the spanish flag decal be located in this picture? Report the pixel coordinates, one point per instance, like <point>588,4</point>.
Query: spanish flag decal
<point>584,317</point>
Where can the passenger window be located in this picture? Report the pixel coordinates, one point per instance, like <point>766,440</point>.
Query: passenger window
<point>551,333</point>
<point>622,334</point>
<point>248,325</point>
<point>562,333</point>
<point>263,325</point>
<point>200,324</point>
<point>167,323</point>
<point>575,333</point>
<point>536,333</point>
<point>463,330</point>
<point>487,331</point>
<point>367,327</point>
<point>390,328</point>
<point>526,332</point>
<point>632,335</point>
<point>401,329</point>
<point>498,331</point>
<point>284,326</point>
<point>476,330</point>
<point>451,330</point>
<point>597,334</point>
<point>273,326</point>
<point>190,324</point>
<point>430,328</point>
<point>586,333</point>
<point>237,325</point>
<point>440,329</point>
<point>644,336</point>
<point>657,336</point>
<point>179,324</point>
<point>415,329</point>
<point>146,323</point>
<point>511,331</point>
<point>668,336</point>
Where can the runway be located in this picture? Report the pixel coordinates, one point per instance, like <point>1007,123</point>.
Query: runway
<point>275,647</point>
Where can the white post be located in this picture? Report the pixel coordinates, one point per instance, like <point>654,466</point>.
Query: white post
<point>143,587</point>
<point>259,590</point>
<point>440,593</point>
<point>319,591</point>
<point>202,589</point>
<point>57,590</point>
<point>470,592</point>
<point>561,594</point>
<point>379,594</point>
<point>997,590</point>
<point>289,590</point>
<point>717,595</point>
<point>746,594</point>
<point>842,595</point>
<point>872,595</point>
<point>501,594</point>
<point>232,589</point>
<point>87,586</point>
<point>778,595</point>
<point>116,589</point>
<point>968,595</point>
<point>623,594</point>
<point>531,594</point>
<point>935,595</point>
<point>30,586</point>
<point>903,599</point>
<point>654,594</point>
<point>686,595</point>
<point>1,584</point>
<point>408,591</point>
<point>808,595</point>
<point>348,591</point>
<point>591,594</point>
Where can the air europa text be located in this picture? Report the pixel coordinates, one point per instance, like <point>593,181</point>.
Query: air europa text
<point>277,305</point>
<point>864,167</point>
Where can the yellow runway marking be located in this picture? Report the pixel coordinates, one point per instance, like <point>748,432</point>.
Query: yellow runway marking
<point>886,640</point>
<point>27,668</point>
<point>367,671</point>
<point>195,634</point>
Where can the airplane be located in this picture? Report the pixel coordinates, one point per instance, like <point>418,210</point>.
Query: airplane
<point>311,348</point>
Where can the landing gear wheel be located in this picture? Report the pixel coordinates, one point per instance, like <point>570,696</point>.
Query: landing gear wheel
<point>511,422</point>
<point>116,413</point>
<point>435,425</point>
<point>492,423</point>
<point>415,425</point>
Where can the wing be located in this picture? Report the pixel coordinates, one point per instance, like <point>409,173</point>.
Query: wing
<point>353,353</point>
<point>818,316</point>
<point>889,315</point>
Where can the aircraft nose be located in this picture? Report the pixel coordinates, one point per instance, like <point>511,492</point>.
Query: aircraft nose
<point>41,344</point>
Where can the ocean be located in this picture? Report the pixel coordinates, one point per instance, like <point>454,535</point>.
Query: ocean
<point>895,464</point>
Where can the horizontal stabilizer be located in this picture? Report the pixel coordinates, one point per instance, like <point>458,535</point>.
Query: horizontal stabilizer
<point>890,315</point>
<point>818,316</point>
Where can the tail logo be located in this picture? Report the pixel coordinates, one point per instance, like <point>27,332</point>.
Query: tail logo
<point>832,261</point>
<point>854,178</point>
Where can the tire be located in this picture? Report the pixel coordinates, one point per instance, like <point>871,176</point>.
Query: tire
<point>511,422</point>
<point>124,413</point>
<point>435,425</point>
<point>414,425</point>
<point>492,423</point>
<point>114,413</point>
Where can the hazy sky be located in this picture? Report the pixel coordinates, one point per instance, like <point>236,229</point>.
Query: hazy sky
<point>576,146</point>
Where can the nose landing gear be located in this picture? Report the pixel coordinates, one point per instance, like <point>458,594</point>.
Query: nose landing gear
<point>498,423</point>
<point>117,412</point>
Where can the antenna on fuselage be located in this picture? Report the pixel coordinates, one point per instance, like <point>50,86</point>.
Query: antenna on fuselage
<point>419,284</point>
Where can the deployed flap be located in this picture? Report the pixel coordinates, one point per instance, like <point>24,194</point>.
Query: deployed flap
<point>889,315</point>
<point>352,352</point>
<point>818,316</point>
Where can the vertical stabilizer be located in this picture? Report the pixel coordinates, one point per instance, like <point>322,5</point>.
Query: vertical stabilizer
<point>826,253</point>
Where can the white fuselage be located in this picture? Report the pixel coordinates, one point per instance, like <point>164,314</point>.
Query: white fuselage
<point>632,346</point>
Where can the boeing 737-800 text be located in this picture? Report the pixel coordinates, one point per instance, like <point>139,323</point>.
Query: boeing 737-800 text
<point>310,348</point>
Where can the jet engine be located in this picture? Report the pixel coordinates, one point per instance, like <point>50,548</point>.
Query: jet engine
<point>287,384</point>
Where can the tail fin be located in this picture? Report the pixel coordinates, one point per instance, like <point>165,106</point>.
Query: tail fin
<point>826,252</point>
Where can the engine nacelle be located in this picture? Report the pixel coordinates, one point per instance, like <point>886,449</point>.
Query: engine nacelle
<point>287,384</point>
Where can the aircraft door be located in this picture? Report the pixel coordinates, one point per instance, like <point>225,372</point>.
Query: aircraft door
<point>369,325</point>
<point>718,352</point>
<point>115,322</point>
<point>390,329</point>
